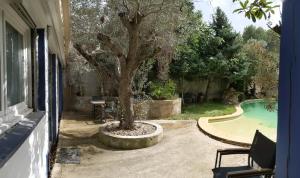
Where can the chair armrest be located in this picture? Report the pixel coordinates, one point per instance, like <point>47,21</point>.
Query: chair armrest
<point>250,173</point>
<point>234,151</point>
<point>230,151</point>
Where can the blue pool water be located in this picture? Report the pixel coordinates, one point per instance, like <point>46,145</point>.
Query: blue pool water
<point>257,110</point>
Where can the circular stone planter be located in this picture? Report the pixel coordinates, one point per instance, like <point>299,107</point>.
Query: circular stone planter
<point>130,142</point>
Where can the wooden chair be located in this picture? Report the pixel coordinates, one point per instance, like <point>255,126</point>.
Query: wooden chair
<point>262,152</point>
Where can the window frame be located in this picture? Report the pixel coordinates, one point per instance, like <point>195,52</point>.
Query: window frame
<point>1,64</point>
<point>10,115</point>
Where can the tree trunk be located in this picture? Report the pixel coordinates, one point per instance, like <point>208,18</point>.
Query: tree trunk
<point>207,89</point>
<point>126,103</point>
<point>182,92</point>
<point>127,75</point>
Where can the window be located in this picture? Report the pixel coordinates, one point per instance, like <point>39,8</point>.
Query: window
<point>14,66</point>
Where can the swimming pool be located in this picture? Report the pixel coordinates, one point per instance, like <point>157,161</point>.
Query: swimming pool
<point>241,129</point>
<point>256,110</point>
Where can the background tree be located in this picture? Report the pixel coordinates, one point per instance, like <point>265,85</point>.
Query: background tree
<point>273,41</point>
<point>252,32</point>
<point>210,52</point>
<point>259,43</point>
<point>87,18</point>
<point>258,9</point>
<point>269,36</point>
<point>132,32</point>
<point>225,32</point>
<point>195,38</point>
<point>263,66</point>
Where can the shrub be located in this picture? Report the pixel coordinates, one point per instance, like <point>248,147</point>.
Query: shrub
<point>162,90</point>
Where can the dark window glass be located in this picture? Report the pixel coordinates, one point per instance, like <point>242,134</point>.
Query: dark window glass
<point>14,66</point>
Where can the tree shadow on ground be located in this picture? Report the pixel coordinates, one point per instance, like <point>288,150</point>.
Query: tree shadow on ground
<point>84,142</point>
<point>78,116</point>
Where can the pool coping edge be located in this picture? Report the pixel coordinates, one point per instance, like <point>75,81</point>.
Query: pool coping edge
<point>239,111</point>
<point>203,125</point>
<point>204,121</point>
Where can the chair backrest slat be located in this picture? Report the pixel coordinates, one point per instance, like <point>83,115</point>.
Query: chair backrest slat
<point>263,151</point>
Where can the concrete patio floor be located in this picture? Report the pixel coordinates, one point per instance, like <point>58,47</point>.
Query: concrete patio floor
<point>184,152</point>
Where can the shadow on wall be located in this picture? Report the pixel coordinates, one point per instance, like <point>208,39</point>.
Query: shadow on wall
<point>82,80</point>
<point>196,87</point>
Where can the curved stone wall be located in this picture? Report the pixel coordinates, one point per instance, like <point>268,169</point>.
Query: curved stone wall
<point>131,142</point>
<point>160,109</point>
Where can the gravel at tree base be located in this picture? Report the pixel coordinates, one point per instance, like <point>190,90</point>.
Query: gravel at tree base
<point>139,129</point>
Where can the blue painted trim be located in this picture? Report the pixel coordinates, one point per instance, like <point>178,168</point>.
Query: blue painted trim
<point>288,134</point>
<point>12,139</point>
<point>52,76</point>
<point>61,88</point>
<point>41,70</point>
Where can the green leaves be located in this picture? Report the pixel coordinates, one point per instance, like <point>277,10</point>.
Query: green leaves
<point>256,9</point>
<point>207,51</point>
<point>162,90</point>
<point>245,4</point>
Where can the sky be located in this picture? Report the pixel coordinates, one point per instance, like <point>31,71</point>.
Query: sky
<point>238,21</point>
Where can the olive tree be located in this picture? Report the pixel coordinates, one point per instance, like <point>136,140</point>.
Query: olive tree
<point>131,32</point>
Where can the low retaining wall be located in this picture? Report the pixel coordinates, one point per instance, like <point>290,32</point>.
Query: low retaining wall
<point>158,108</point>
<point>164,108</point>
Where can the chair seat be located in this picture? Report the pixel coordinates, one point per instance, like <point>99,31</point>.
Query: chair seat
<point>222,171</point>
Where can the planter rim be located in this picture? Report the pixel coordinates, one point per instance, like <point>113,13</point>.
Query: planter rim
<point>167,100</point>
<point>157,131</point>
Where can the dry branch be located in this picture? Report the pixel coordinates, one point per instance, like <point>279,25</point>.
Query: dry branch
<point>113,47</point>
<point>101,68</point>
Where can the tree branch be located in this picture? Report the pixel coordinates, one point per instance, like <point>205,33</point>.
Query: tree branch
<point>155,8</point>
<point>99,66</point>
<point>276,29</point>
<point>114,48</point>
<point>126,6</point>
<point>143,55</point>
<point>128,21</point>
<point>125,19</point>
<point>107,42</point>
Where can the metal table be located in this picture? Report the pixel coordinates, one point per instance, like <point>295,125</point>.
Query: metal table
<point>98,101</point>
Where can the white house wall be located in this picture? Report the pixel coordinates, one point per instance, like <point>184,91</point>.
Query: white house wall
<point>30,160</point>
<point>57,29</point>
<point>39,13</point>
<point>46,14</point>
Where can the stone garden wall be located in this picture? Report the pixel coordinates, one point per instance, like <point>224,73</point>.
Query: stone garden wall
<point>215,91</point>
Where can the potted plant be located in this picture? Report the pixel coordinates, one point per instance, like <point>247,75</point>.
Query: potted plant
<point>165,101</point>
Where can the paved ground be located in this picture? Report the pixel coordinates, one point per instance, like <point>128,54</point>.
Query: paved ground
<point>184,152</point>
